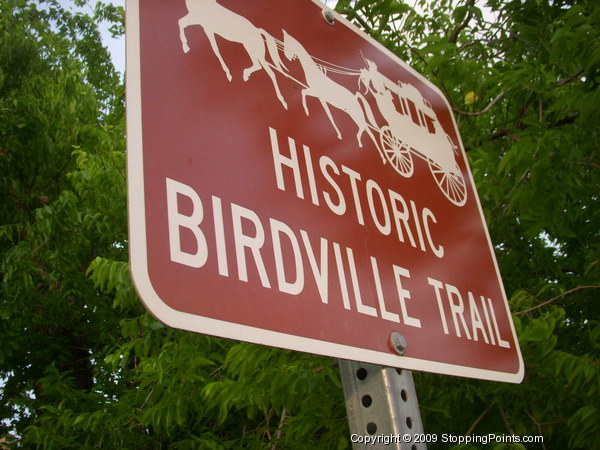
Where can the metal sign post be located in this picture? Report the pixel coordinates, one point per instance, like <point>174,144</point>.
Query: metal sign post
<point>382,406</point>
<point>381,403</point>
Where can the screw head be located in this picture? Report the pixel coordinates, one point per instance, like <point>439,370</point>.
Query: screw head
<point>398,343</point>
<point>329,17</point>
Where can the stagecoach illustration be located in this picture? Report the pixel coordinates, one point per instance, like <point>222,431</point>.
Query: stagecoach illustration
<point>406,127</point>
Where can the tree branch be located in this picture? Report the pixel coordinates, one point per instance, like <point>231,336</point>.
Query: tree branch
<point>484,110</point>
<point>277,436</point>
<point>569,79</point>
<point>479,419</point>
<point>413,50</point>
<point>547,302</point>
<point>454,37</point>
<point>362,22</point>
<point>505,420</point>
<point>597,166</point>
<point>568,119</point>
<point>537,424</point>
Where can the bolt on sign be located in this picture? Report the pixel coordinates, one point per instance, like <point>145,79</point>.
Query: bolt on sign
<point>292,183</point>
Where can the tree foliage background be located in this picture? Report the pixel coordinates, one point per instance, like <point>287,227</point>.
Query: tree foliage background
<point>82,364</point>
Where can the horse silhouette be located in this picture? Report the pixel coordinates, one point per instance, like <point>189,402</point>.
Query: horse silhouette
<point>328,92</point>
<point>216,20</point>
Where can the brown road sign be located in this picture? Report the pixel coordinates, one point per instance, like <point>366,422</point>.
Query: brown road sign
<point>292,183</point>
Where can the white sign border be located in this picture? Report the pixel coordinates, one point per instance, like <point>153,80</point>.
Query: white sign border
<point>138,257</point>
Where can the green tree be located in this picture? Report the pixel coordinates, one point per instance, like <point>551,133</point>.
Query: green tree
<point>59,98</point>
<point>84,365</point>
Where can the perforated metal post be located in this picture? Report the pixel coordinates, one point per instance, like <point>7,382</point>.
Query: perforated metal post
<point>381,403</point>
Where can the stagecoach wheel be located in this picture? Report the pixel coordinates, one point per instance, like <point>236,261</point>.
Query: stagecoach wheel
<point>452,184</point>
<point>397,153</point>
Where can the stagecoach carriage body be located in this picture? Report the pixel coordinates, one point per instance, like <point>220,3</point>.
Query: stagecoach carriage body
<point>412,129</point>
<point>425,132</point>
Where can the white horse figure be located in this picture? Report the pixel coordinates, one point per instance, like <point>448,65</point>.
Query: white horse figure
<point>216,20</point>
<point>320,86</point>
